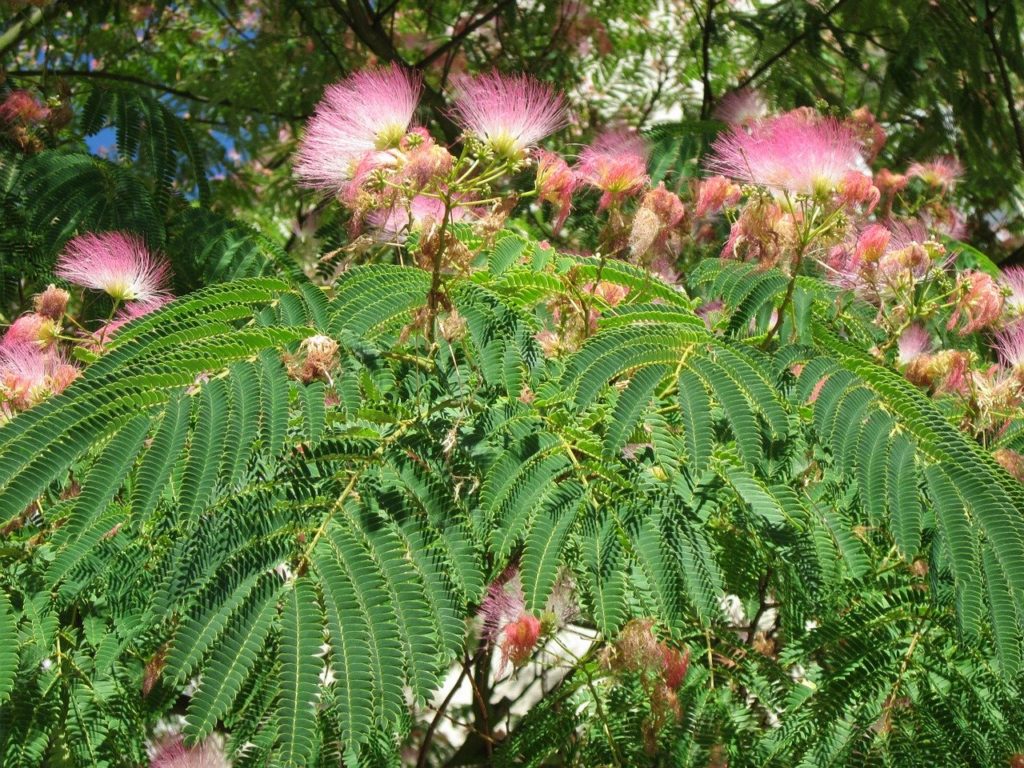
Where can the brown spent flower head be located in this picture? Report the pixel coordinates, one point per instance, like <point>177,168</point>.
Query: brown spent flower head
<point>52,302</point>
<point>321,356</point>
<point>660,212</point>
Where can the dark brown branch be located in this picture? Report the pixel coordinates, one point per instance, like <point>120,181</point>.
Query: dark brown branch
<point>456,40</point>
<point>368,29</point>
<point>421,760</point>
<point>29,20</point>
<point>784,50</point>
<point>1004,77</point>
<point>122,78</point>
<point>708,99</point>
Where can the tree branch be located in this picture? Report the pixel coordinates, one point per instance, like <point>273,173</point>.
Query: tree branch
<point>1004,76</point>
<point>122,78</point>
<point>782,52</point>
<point>456,40</point>
<point>708,99</point>
<point>368,29</point>
<point>31,19</point>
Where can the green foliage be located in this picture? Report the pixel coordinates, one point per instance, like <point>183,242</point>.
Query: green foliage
<point>234,523</point>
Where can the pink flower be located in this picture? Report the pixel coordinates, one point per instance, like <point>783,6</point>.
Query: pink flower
<point>1009,344</point>
<point>945,220</point>
<point>676,664</point>
<point>117,263</point>
<point>792,152</point>
<point>607,291</point>
<point>30,329</point>
<point>423,159</point>
<point>21,106</point>
<point>28,375</point>
<point>872,135</point>
<point>509,113</point>
<point>872,243</point>
<point>856,188</point>
<point>951,369</point>
<point>1013,463</point>
<point>506,621</point>
<point>980,301</point>
<point>505,602</point>
<point>366,114</point>
<point>913,343</point>
<point>715,193</point>
<point>942,172</point>
<point>172,753</point>
<point>762,233</point>
<point>520,638</point>
<point>1013,279</point>
<point>556,184</point>
<point>889,182</point>
<point>616,164</point>
<point>741,107</point>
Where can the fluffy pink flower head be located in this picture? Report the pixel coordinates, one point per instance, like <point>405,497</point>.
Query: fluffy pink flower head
<point>32,328</point>
<point>676,665</point>
<point>423,160</point>
<point>520,638</point>
<point>116,263</point>
<point>505,619</point>
<point>607,291</point>
<point>872,135</point>
<point>715,193</point>
<point>172,753</point>
<point>616,164</point>
<point>1013,280</point>
<point>1010,345</point>
<point>504,603</point>
<point>28,375</point>
<point>367,113</point>
<point>792,153</point>
<point>872,243</point>
<point>21,106</point>
<point>857,189</point>
<point>509,113</point>
<point>556,184</point>
<point>942,172</point>
<point>741,107</point>
<point>980,301</point>
<point>913,343</point>
<point>889,182</point>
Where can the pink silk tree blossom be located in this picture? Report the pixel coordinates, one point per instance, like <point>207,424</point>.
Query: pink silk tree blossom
<point>509,113</point>
<point>742,107</point>
<point>117,263</point>
<point>941,172</point>
<point>616,164</point>
<point>28,375</point>
<point>363,116</point>
<point>172,753</point>
<point>793,152</point>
